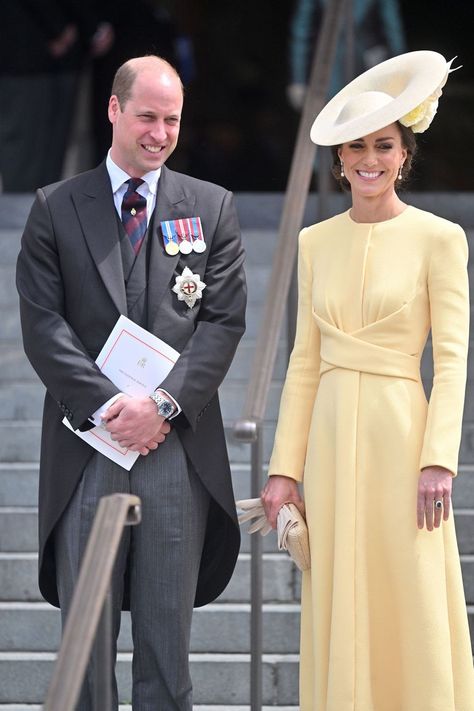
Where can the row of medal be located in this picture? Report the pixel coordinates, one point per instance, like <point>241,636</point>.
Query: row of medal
<point>183,236</point>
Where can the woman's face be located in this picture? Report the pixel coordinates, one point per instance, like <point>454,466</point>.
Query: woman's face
<point>372,163</point>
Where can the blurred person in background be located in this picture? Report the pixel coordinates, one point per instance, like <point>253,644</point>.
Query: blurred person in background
<point>41,56</point>
<point>378,34</point>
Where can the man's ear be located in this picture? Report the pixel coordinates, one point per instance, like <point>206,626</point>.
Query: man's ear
<point>114,108</point>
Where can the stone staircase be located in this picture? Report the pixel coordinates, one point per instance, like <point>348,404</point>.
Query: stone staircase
<point>30,628</point>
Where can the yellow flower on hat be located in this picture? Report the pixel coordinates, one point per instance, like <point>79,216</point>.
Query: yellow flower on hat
<point>419,118</point>
<point>412,117</point>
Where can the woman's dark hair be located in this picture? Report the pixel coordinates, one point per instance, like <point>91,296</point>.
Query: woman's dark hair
<point>408,142</point>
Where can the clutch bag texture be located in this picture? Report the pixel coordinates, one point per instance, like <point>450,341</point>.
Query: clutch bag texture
<point>292,531</point>
<point>293,535</point>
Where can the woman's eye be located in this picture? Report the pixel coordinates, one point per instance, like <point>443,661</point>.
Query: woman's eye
<point>356,145</point>
<point>386,146</point>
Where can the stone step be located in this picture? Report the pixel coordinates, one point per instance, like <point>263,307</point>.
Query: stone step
<point>20,440</point>
<point>464,519</point>
<point>8,293</point>
<point>21,400</point>
<point>10,240</point>
<point>19,484</point>
<point>466,452</point>
<point>219,628</point>
<point>14,209</point>
<point>281,579</point>
<point>241,366</point>
<point>10,326</point>
<point>18,579</point>
<point>15,364</point>
<point>467,565</point>
<point>19,531</point>
<point>217,678</point>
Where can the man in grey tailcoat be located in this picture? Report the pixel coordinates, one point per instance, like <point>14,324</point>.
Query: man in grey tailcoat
<point>78,270</point>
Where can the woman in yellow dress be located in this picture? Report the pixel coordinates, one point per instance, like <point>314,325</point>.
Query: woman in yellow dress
<point>384,623</point>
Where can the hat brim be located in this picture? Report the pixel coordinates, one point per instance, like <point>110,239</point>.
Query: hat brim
<point>408,80</point>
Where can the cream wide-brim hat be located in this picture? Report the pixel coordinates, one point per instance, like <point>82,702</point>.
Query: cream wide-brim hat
<point>404,88</point>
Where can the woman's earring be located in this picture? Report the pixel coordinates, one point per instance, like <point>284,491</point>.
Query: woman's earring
<point>342,169</point>
<point>400,176</point>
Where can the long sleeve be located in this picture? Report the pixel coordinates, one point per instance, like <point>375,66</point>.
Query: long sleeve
<point>449,311</point>
<point>55,351</point>
<point>205,359</point>
<point>299,392</point>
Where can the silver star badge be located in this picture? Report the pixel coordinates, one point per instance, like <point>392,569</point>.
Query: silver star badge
<point>189,287</point>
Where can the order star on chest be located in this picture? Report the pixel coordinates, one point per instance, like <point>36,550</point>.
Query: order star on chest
<point>189,287</point>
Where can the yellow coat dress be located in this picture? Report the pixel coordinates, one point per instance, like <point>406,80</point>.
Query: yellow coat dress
<point>384,623</point>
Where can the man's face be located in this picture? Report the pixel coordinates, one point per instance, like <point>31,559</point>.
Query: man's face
<point>146,128</point>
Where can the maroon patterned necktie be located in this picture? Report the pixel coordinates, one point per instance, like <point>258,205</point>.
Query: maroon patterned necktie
<point>134,213</point>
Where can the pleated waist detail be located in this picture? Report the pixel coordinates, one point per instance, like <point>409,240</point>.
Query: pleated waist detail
<point>343,350</point>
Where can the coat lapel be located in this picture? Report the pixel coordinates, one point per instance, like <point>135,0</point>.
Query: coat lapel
<point>98,217</point>
<point>172,203</point>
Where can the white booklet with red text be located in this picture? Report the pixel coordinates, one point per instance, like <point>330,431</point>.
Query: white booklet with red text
<point>136,362</point>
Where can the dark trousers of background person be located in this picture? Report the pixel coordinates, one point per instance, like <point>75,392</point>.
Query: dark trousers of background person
<point>36,116</point>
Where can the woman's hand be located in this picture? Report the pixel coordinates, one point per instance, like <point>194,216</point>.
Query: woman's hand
<point>277,491</point>
<point>434,485</point>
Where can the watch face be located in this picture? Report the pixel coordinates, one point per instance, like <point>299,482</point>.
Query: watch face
<point>165,408</point>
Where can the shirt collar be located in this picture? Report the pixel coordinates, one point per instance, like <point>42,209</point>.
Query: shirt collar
<point>119,176</point>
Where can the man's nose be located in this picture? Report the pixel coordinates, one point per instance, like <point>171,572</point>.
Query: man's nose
<point>158,131</point>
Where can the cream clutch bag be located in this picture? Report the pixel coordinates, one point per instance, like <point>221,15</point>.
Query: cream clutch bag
<point>292,531</point>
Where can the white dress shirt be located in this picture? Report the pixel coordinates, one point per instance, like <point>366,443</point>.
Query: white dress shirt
<point>148,190</point>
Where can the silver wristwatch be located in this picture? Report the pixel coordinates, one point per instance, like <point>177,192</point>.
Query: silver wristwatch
<point>165,407</point>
